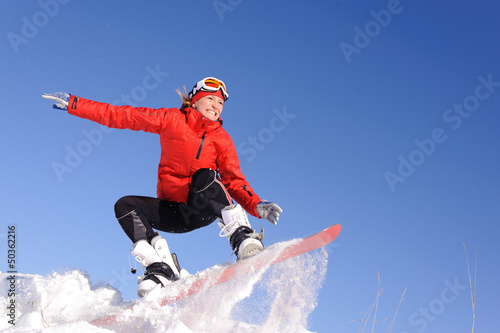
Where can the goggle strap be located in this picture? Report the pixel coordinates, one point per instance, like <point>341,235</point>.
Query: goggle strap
<point>208,89</point>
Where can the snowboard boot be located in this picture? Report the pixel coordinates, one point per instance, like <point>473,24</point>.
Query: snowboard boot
<point>160,267</point>
<point>235,226</point>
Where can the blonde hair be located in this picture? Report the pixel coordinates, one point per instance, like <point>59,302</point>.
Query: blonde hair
<point>186,100</point>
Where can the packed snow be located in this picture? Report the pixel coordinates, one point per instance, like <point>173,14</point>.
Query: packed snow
<point>277,298</point>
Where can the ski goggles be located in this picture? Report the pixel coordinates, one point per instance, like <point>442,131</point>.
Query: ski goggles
<point>210,84</point>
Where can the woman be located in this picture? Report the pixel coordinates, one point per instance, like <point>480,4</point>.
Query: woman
<point>198,176</point>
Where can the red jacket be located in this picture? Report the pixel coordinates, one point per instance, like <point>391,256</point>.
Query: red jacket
<point>188,142</point>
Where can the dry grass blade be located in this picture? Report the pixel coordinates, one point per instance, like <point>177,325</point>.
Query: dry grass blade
<point>472,291</point>
<point>379,291</point>
<point>366,317</point>
<point>391,324</point>
<point>373,308</point>
<point>45,324</point>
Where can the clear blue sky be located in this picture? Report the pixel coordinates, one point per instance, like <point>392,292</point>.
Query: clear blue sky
<point>382,116</point>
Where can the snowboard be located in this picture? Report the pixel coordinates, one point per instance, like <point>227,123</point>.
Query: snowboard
<point>241,268</point>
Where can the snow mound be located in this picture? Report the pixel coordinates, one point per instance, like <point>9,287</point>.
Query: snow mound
<point>278,298</point>
<point>65,301</point>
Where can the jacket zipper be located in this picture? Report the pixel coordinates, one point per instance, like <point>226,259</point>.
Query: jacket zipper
<point>201,145</point>
<point>249,193</point>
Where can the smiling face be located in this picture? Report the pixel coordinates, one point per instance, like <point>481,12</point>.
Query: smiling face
<point>210,106</point>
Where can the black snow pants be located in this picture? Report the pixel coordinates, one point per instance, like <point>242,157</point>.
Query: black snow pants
<point>139,216</point>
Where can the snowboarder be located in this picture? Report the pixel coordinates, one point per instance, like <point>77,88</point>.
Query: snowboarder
<point>198,176</point>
